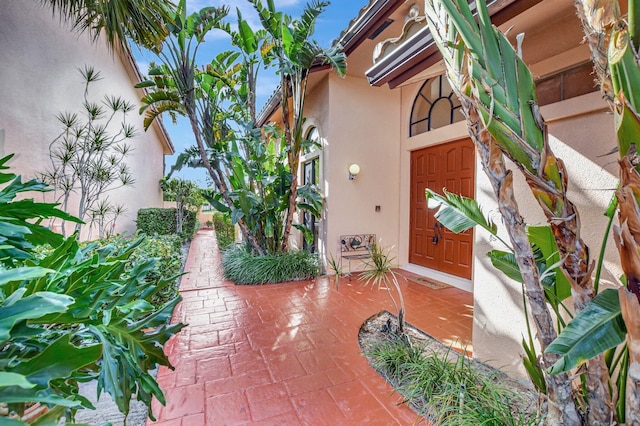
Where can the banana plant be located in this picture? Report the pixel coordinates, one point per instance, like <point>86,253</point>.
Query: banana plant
<point>253,185</point>
<point>614,44</point>
<point>293,53</point>
<point>178,87</point>
<point>489,75</point>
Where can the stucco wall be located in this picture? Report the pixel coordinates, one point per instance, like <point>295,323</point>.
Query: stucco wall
<point>351,134</point>
<point>39,79</point>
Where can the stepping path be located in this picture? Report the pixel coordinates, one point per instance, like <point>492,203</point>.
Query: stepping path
<point>287,354</point>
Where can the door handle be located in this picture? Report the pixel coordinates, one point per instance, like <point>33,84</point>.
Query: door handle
<point>438,232</point>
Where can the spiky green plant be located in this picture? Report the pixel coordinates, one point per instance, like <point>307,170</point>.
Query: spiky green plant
<point>448,388</point>
<point>379,273</point>
<point>243,267</point>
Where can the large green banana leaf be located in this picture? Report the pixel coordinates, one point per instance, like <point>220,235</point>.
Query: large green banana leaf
<point>598,327</point>
<point>458,213</point>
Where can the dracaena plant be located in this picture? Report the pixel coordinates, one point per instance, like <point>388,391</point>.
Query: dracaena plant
<point>72,315</point>
<point>88,157</point>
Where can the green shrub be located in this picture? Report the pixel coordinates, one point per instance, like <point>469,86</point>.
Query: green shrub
<point>162,221</point>
<point>225,231</point>
<point>72,314</point>
<point>242,267</point>
<point>166,250</point>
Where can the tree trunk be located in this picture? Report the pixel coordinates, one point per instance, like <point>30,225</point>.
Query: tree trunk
<point>562,409</point>
<point>627,238</point>
<point>293,189</point>
<point>220,184</point>
<point>598,19</point>
<point>630,312</point>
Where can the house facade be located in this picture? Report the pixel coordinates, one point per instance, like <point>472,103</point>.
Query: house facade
<point>395,116</point>
<point>39,78</point>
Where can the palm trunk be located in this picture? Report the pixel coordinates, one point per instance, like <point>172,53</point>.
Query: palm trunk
<point>562,408</point>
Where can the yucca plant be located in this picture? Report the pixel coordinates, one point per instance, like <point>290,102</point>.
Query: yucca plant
<point>379,273</point>
<point>336,267</point>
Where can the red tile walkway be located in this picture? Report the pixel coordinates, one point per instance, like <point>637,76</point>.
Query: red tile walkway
<point>287,354</point>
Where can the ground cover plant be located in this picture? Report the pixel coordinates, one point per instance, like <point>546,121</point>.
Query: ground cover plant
<point>442,385</point>
<point>243,267</point>
<point>72,314</point>
<point>165,250</point>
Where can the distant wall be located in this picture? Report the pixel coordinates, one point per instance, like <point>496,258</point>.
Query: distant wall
<point>39,79</point>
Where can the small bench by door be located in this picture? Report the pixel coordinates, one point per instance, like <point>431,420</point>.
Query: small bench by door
<point>356,247</point>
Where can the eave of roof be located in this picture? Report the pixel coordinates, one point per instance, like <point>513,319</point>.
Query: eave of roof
<point>368,20</point>
<point>419,52</point>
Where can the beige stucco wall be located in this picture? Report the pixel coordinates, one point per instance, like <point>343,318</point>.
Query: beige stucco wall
<point>357,136</point>
<point>39,79</point>
<point>346,111</point>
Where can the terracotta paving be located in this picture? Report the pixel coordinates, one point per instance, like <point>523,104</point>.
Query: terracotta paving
<point>287,354</point>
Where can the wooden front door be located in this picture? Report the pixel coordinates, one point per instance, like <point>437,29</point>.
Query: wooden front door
<point>450,166</point>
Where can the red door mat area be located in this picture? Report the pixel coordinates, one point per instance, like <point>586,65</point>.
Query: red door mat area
<point>428,282</point>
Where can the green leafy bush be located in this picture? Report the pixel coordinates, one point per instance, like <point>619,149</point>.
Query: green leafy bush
<point>72,314</point>
<point>165,249</point>
<point>225,231</point>
<point>242,267</point>
<point>161,221</point>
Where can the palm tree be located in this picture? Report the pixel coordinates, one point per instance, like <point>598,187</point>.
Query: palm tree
<point>141,20</point>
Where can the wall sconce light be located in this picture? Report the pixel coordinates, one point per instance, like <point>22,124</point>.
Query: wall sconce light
<point>354,170</point>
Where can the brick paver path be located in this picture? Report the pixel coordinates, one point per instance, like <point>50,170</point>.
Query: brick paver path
<point>287,354</point>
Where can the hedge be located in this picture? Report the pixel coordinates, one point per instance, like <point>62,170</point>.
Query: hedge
<point>162,221</point>
<point>225,231</point>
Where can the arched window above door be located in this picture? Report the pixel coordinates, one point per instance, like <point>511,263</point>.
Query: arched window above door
<point>314,136</point>
<point>435,106</point>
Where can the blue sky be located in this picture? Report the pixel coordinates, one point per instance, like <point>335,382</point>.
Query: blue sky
<point>335,19</point>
